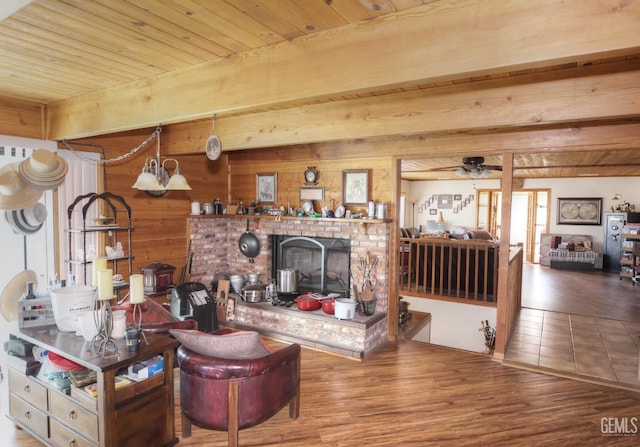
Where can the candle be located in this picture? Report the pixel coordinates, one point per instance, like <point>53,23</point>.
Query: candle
<point>99,263</point>
<point>105,284</point>
<point>137,288</point>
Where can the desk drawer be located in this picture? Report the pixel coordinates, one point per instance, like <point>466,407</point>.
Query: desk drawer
<point>74,415</point>
<point>29,416</point>
<point>28,389</point>
<point>62,436</point>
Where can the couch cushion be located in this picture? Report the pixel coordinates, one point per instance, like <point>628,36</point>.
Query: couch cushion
<point>482,235</point>
<point>242,345</point>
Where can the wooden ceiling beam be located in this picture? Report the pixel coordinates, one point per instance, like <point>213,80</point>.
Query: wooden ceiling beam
<point>524,102</point>
<point>436,42</point>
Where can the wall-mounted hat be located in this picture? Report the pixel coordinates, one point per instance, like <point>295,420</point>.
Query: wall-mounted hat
<point>44,169</point>
<point>15,194</point>
<point>13,292</point>
<point>28,220</point>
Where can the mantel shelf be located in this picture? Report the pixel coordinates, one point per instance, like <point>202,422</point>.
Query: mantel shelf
<point>256,217</point>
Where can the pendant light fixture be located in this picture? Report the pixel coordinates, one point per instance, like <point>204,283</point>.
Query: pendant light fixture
<point>155,179</point>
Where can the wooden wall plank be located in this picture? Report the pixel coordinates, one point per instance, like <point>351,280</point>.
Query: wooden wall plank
<point>21,118</point>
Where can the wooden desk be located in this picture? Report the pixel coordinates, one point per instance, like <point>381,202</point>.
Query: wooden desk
<point>135,415</point>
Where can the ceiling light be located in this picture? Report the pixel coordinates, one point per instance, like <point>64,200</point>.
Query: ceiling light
<point>461,172</point>
<point>155,179</point>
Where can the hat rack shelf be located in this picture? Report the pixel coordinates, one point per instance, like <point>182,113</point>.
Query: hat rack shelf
<point>95,206</point>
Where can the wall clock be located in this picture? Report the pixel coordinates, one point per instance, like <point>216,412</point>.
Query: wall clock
<point>311,175</point>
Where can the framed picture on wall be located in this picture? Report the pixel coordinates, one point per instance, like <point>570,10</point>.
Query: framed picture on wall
<point>266,187</point>
<point>445,201</point>
<point>433,212</point>
<point>580,211</point>
<point>355,187</point>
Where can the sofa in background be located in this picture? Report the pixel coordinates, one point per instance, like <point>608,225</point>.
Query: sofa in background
<point>546,241</point>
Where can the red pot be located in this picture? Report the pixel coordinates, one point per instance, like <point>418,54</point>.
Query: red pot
<point>329,306</point>
<point>307,302</point>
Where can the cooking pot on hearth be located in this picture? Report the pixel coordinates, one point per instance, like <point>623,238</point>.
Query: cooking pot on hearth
<point>307,302</point>
<point>249,244</point>
<point>329,306</point>
<point>253,293</point>
<point>287,280</point>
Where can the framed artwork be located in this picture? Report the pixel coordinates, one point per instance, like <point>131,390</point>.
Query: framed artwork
<point>355,187</point>
<point>312,193</point>
<point>445,201</point>
<point>580,211</point>
<point>266,187</point>
<point>457,197</point>
<point>433,212</point>
<point>222,293</point>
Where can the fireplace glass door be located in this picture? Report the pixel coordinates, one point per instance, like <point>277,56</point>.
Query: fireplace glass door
<point>322,263</point>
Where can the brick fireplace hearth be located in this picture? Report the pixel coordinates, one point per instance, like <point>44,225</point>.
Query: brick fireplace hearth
<point>214,243</point>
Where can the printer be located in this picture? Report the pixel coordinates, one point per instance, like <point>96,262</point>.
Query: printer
<point>193,301</point>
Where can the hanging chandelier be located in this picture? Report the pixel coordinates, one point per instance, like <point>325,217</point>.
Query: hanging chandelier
<point>155,179</point>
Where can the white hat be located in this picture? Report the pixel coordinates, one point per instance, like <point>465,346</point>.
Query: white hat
<point>27,221</point>
<point>13,292</point>
<point>44,169</point>
<point>15,194</point>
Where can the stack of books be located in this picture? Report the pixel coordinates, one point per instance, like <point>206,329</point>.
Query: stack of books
<point>147,368</point>
<point>89,393</point>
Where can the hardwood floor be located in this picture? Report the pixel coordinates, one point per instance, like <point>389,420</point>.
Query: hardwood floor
<point>418,394</point>
<point>594,294</point>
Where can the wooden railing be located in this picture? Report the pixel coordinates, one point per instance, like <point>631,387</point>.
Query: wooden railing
<point>514,289</point>
<point>456,270</point>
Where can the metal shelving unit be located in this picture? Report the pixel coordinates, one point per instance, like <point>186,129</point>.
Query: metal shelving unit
<point>121,212</point>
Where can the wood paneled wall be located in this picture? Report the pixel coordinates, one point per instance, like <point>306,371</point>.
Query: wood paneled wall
<point>21,118</point>
<point>160,222</point>
<point>290,163</point>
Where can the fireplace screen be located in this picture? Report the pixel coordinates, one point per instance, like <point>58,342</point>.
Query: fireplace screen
<point>322,263</point>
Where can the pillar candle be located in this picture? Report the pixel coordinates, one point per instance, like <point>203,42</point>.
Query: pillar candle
<point>105,284</point>
<point>137,288</point>
<point>99,263</point>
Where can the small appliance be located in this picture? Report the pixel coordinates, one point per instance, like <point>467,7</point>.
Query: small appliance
<point>193,301</point>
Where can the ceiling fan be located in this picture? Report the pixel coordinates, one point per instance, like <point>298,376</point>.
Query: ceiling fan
<point>473,167</point>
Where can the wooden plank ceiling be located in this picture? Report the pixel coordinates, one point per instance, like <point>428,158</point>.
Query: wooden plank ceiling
<point>54,50</point>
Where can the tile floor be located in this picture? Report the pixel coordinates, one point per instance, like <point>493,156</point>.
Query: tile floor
<point>589,348</point>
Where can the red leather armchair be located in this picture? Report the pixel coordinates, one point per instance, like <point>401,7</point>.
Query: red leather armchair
<point>224,394</point>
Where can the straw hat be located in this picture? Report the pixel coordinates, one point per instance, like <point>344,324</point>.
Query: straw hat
<point>13,292</point>
<point>27,221</point>
<point>15,194</point>
<point>44,169</point>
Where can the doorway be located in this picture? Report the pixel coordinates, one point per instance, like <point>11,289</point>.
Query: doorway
<point>529,217</point>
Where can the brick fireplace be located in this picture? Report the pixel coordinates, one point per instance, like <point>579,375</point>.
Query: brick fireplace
<point>214,243</point>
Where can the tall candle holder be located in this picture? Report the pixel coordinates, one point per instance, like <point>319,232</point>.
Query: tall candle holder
<point>136,294</point>
<point>103,341</point>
